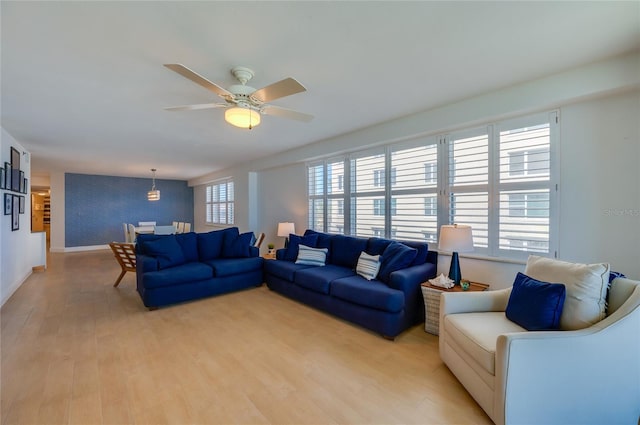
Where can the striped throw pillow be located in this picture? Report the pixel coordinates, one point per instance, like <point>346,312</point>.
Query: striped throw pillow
<point>368,265</point>
<point>311,256</point>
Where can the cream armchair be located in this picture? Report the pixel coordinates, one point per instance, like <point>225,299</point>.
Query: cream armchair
<point>587,376</point>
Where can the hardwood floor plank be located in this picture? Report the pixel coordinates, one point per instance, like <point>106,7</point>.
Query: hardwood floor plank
<point>77,350</point>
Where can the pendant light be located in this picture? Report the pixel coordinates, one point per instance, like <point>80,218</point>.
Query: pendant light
<point>153,194</point>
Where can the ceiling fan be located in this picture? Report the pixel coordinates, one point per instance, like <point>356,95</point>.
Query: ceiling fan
<point>244,104</point>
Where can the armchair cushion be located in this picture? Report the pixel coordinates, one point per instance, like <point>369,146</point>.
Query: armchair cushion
<point>586,286</point>
<point>535,305</point>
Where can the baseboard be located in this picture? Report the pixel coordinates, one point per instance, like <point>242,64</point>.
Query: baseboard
<point>81,248</point>
<point>13,288</point>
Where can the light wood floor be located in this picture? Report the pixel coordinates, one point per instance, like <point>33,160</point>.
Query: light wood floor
<point>76,350</point>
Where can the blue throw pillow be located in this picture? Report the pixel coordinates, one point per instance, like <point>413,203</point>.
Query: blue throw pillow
<point>189,244</point>
<point>210,244</point>
<point>236,245</point>
<point>395,257</point>
<point>291,254</point>
<point>166,250</point>
<point>535,305</point>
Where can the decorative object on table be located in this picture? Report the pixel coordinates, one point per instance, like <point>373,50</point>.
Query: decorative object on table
<point>465,285</point>
<point>8,202</point>
<point>284,230</point>
<point>153,194</point>
<point>271,248</point>
<point>455,238</point>
<point>245,104</point>
<point>442,281</point>
<point>15,213</point>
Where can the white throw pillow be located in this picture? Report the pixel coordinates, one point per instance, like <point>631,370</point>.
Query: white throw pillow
<point>311,256</point>
<point>586,286</point>
<point>368,265</point>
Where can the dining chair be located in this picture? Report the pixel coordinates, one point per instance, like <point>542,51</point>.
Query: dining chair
<point>175,224</point>
<point>187,228</point>
<point>125,253</point>
<point>180,227</point>
<point>132,233</point>
<point>127,235</point>
<point>164,230</point>
<point>146,223</point>
<point>259,240</point>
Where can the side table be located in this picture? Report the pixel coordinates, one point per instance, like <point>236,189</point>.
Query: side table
<point>268,256</point>
<point>431,295</point>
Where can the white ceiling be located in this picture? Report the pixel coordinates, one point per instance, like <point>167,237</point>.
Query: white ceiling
<point>83,86</point>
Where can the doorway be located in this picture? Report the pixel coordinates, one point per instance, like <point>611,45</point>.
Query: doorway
<point>41,211</point>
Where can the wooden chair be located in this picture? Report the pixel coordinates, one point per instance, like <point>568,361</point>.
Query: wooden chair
<point>126,255</point>
<point>180,227</point>
<point>187,227</point>
<point>259,240</point>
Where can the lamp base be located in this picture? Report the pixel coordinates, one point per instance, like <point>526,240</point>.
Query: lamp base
<point>454,269</point>
<point>286,242</point>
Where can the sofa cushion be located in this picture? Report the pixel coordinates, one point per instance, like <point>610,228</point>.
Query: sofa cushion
<point>189,244</point>
<point>586,286</point>
<point>368,293</point>
<point>421,255</point>
<point>368,265</point>
<point>291,252</point>
<point>236,245</point>
<point>395,257</point>
<point>232,266</point>
<point>323,241</point>
<point>376,246</point>
<point>318,279</point>
<point>167,251</point>
<point>210,244</point>
<point>535,305</point>
<point>477,334</point>
<point>311,256</point>
<point>345,250</point>
<point>185,273</point>
<point>283,269</point>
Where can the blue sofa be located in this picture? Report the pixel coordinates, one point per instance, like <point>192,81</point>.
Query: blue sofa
<point>175,268</point>
<point>388,304</point>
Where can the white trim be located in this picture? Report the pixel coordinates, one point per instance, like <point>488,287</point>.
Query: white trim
<point>13,288</point>
<point>80,248</point>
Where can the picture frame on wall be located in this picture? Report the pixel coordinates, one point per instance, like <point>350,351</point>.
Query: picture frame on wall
<point>21,187</point>
<point>7,175</point>
<point>21,204</point>
<point>2,178</point>
<point>26,185</point>
<point>15,179</point>
<point>15,158</point>
<point>8,199</point>
<point>15,213</point>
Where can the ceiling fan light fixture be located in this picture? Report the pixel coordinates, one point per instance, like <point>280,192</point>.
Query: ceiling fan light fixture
<point>242,117</point>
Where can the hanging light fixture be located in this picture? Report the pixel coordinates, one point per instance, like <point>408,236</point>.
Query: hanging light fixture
<point>153,194</point>
<point>243,117</point>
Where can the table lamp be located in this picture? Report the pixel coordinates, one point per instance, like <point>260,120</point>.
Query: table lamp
<point>284,230</point>
<point>455,238</point>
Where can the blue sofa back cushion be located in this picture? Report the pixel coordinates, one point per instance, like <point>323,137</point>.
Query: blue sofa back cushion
<point>295,241</point>
<point>189,244</point>
<point>166,250</point>
<point>395,257</point>
<point>421,255</point>
<point>376,246</point>
<point>345,250</point>
<point>535,305</point>
<point>324,239</point>
<point>236,245</point>
<point>210,244</point>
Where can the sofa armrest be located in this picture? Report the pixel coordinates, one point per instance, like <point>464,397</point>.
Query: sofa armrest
<point>474,302</point>
<point>146,263</point>
<point>590,375</point>
<point>254,251</point>
<point>408,279</point>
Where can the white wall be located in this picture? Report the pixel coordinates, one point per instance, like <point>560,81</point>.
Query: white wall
<point>599,109</point>
<point>20,250</point>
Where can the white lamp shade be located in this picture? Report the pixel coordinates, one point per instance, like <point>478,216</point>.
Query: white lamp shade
<point>284,229</point>
<point>242,117</point>
<point>455,238</point>
<point>153,195</point>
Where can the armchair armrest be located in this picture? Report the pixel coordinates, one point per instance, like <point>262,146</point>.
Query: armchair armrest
<point>474,302</point>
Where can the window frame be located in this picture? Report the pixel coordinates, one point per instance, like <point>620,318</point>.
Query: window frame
<point>212,200</point>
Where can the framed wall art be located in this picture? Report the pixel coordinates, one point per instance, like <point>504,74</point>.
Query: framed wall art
<point>7,175</point>
<point>2,186</point>
<point>15,213</point>
<point>21,204</point>
<point>15,158</point>
<point>8,199</point>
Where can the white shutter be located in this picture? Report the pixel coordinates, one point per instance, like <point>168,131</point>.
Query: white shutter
<point>366,192</point>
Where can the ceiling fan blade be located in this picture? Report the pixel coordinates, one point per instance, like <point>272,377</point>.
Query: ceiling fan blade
<point>196,107</point>
<point>198,79</point>
<point>286,113</point>
<point>282,88</point>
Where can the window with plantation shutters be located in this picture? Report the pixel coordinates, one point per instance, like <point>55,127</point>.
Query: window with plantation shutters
<point>499,179</point>
<point>219,202</point>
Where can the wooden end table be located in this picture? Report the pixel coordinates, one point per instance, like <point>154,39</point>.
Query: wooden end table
<point>431,295</point>
<point>268,256</point>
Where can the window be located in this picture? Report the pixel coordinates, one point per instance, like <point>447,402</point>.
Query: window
<point>498,178</point>
<point>219,203</point>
